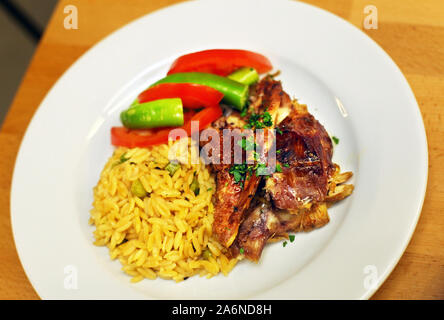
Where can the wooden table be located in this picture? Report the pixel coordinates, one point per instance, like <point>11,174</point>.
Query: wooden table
<point>411,31</point>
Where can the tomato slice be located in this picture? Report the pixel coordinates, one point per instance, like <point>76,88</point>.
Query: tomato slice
<point>121,136</point>
<point>220,61</point>
<point>193,95</point>
<point>205,117</point>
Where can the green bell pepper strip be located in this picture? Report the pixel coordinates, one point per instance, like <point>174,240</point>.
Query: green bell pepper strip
<point>245,75</point>
<point>172,167</point>
<point>235,93</point>
<point>154,114</point>
<point>194,186</point>
<point>137,189</point>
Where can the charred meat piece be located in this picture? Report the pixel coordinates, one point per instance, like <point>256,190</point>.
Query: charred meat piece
<point>233,194</point>
<point>297,195</point>
<point>264,223</point>
<point>268,96</point>
<point>304,152</point>
<point>337,190</point>
<point>232,200</point>
<point>254,232</point>
<point>306,220</point>
<point>233,197</point>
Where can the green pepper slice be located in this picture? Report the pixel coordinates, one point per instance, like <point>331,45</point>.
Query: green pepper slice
<point>137,189</point>
<point>235,93</point>
<point>245,75</point>
<point>154,114</point>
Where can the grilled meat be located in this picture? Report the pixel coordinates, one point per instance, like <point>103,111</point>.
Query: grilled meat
<point>305,152</point>
<point>255,231</point>
<point>296,196</point>
<point>265,223</point>
<point>233,198</point>
<point>268,96</point>
<point>337,190</point>
<point>231,203</point>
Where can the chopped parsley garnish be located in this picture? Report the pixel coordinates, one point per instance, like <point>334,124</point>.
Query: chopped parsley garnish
<point>209,189</point>
<point>278,151</point>
<point>261,169</point>
<point>247,144</point>
<point>266,119</point>
<point>279,131</point>
<point>241,250</point>
<point>284,244</point>
<point>241,172</point>
<point>172,167</point>
<point>194,186</point>
<point>244,112</point>
<point>291,237</point>
<point>122,159</point>
<point>286,165</point>
<point>237,175</point>
<point>335,139</point>
<point>259,121</point>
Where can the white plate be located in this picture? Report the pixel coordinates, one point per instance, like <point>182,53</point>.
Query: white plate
<point>325,62</point>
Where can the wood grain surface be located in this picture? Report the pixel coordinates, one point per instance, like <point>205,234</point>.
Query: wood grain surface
<point>410,31</point>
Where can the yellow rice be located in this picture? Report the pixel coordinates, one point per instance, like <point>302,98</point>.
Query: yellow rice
<point>165,233</point>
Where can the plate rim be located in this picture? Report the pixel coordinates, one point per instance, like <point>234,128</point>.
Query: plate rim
<point>425,155</point>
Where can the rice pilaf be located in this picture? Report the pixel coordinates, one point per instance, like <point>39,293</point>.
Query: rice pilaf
<point>167,232</point>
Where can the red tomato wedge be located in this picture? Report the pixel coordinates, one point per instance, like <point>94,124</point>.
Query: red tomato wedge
<point>205,117</point>
<point>220,61</point>
<point>123,137</point>
<point>193,95</point>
